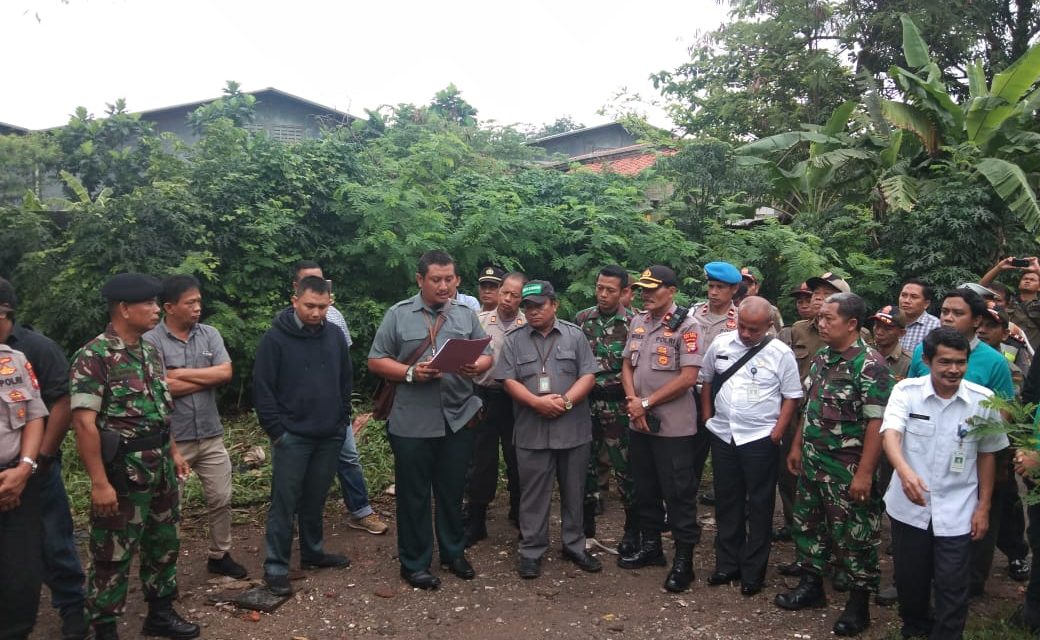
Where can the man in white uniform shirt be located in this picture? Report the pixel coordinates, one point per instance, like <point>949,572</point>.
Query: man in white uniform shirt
<point>941,502</point>
<point>746,420</point>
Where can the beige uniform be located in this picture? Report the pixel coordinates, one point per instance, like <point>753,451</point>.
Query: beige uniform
<point>898,360</point>
<point>496,329</point>
<point>710,325</point>
<point>20,401</point>
<point>657,355</point>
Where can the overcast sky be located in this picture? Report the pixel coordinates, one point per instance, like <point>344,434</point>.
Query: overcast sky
<point>517,62</point>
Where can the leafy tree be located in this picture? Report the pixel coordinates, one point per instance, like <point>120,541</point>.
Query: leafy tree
<point>448,103</point>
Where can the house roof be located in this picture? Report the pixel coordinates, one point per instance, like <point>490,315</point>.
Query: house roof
<point>576,132</point>
<point>12,128</point>
<point>628,161</point>
<point>258,93</point>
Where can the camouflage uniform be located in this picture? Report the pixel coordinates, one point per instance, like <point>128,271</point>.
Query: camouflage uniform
<point>125,385</point>
<point>845,391</point>
<point>608,336</point>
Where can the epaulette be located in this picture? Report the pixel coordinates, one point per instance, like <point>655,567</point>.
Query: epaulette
<point>569,324</point>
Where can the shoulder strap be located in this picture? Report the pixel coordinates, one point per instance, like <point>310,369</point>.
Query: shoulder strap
<point>720,379</point>
<point>441,317</point>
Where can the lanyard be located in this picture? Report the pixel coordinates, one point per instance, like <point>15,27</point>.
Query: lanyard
<point>545,358</point>
<point>433,336</point>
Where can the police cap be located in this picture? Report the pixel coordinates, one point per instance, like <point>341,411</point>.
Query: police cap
<point>131,287</point>
<point>491,273</point>
<point>657,276</point>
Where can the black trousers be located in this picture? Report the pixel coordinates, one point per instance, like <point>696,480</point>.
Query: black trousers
<point>419,465</point>
<point>662,469</point>
<point>496,430</point>
<point>925,563</point>
<point>21,564</point>
<point>745,496</point>
<point>982,551</point>
<point>1011,538</point>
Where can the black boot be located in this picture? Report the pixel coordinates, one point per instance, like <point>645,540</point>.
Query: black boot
<point>163,621</point>
<point>630,540</point>
<point>649,553</point>
<point>106,631</point>
<point>681,575</point>
<point>808,593</point>
<point>476,524</point>
<point>856,617</point>
<point>588,516</point>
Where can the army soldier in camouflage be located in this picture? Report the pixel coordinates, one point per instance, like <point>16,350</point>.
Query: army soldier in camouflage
<point>606,327</point>
<point>121,410</point>
<point>838,506</point>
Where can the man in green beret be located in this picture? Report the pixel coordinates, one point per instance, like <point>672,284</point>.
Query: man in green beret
<point>121,410</point>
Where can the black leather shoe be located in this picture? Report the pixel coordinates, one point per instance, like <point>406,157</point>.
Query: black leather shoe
<point>106,631</point>
<point>73,624</point>
<point>681,576</point>
<point>649,554</point>
<point>1018,569</point>
<point>856,617</point>
<point>278,585</point>
<point>792,570</point>
<point>750,588</point>
<point>460,567</point>
<point>808,593</point>
<point>529,568</point>
<point>629,544</point>
<point>586,561</point>
<point>164,622</point>
<point>327,561</point>
<point>723,577</point>
<point>421,579</point>
<point>226,566</point>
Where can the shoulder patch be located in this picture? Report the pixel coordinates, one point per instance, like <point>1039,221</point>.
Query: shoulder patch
<point>32,375</point>
<point>690,340</point>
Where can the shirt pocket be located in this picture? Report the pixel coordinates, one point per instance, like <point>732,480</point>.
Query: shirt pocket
<point>567,361</point>
<point>410,341</point>
<point>16,410</point>
<point>920,435</point>
<point>527,365</point>
<point>664,361</point>
<point>838,402</point>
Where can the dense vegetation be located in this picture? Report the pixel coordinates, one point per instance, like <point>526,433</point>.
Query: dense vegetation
<point>897,161</point>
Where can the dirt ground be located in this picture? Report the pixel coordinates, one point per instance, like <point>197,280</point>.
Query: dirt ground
<point>369,600</point>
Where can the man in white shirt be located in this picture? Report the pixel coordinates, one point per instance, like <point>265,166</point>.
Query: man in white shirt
<point>746,418</point>
<point>945,467</point>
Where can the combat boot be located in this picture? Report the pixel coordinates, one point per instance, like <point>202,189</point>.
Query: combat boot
<point>856,617</point>
<point>808,593</point>
<point>681,575</point>
<point>588,517</point>
<point>630,540</point>
<point>164,622</point>
<point>476,524</point>
<point>649,553</point>
<point>106,631</point>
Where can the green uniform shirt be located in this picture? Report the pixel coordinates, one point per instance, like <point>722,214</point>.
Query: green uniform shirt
<point>421,410</point>
<point>607,336</point>
<point>124,384</point>
<point>845,390</point>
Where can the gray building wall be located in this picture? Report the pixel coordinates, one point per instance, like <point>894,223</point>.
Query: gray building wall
<point>582,141</point>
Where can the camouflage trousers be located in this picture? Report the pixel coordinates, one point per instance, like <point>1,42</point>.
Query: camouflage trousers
<point>827,524</point>
<point>610,434</point>
<point>147,521</point>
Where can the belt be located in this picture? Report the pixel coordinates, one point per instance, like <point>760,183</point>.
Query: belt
<point>155,440</point>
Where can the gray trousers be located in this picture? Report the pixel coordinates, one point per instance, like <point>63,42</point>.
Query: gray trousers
<point>537,469</point>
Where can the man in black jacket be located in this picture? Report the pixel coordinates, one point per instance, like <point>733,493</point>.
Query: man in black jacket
<point>301,389</point>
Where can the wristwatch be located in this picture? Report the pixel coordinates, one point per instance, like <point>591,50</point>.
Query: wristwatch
<point>29,461</point>
<point>645,403</point>
<point>409,376</point>
<point>567,404</point>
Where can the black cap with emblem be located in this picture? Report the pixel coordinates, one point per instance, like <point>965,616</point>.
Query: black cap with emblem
<point>491,273</point>
<point>131,287</point>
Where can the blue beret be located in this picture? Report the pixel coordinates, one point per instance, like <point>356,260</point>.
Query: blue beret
<point>131,287</point>
<point>723,272</point>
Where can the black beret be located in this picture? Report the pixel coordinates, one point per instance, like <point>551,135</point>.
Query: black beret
<point>131,287</point>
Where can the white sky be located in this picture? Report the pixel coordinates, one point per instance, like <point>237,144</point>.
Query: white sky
<point>517,62</point>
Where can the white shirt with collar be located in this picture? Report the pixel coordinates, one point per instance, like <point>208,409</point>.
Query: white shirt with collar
<point>932,428</point>
<point>748,405</point>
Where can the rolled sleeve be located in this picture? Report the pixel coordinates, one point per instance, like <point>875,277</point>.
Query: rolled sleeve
<point>87,381</point>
